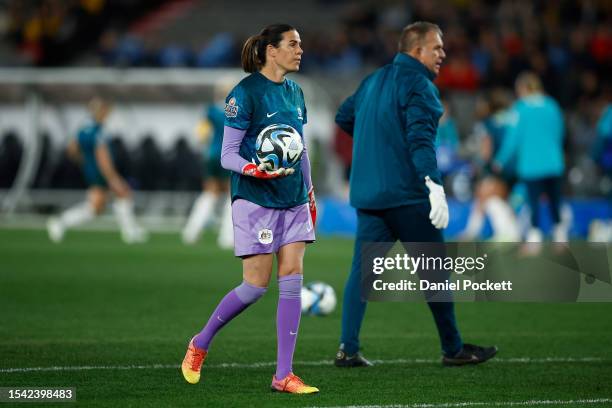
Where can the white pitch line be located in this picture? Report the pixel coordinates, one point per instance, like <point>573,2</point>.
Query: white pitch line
<point>516,360</point>
<point>486,404</point>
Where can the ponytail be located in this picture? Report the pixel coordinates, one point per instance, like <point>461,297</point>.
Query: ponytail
<point>253,55</point>
<point>250,54</point>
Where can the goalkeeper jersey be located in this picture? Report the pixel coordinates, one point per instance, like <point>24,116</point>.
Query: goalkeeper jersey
<point>255,103</point>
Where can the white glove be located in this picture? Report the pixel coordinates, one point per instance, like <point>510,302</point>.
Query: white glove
<point>439,208</point>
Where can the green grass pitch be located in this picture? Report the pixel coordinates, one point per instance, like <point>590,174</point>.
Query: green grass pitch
<point>94,302</point>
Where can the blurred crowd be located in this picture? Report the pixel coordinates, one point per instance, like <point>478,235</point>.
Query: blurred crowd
<point>568,43</point>
<point>55,32</point>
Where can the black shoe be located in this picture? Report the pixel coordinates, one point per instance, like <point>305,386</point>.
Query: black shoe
<point>356,360</point>
<point>470,354</point>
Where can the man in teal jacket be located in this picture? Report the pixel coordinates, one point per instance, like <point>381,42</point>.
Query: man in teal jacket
<point>395,184</point>
<point>534,142</point>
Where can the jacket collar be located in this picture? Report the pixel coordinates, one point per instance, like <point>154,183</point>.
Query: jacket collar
<point>409,62</point>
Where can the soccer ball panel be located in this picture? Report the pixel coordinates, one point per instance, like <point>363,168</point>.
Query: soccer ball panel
<point>318,299</point>
<point>279,145</point>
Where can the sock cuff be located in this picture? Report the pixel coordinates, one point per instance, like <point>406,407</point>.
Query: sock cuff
<point>248,293</point>
<point>290,287</point>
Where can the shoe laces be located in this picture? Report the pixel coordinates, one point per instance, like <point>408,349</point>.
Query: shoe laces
<point>292,378</point>
<point>197,356</point>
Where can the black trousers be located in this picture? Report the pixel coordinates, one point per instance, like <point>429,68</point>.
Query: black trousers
<point>551,187</point>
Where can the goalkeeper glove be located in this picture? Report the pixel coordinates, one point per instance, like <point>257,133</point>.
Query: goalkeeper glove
<point>262,171</point>
<point>439,208</point>
<point>312,205</point>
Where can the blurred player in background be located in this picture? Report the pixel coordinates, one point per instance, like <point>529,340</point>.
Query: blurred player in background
<point>216,185</point>
<point>447,140</point>
<point>600,230</point>
<point>492,190</point>
<point>534,140</point>
<point>395,183</point>
<point>91,150</point>
<point>270,209</point>
<point>343,147</point>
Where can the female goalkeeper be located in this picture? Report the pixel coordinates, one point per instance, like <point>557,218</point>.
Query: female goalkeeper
<point>273,212</point>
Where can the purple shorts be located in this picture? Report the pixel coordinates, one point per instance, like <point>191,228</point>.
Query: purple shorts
<point>261,230</point>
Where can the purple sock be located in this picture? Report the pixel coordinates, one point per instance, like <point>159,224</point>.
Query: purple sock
<point>287,321</point>
<point>230,306</point>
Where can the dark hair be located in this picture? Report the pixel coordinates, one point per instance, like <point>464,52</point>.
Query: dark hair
<point>254,49</point>
<point>413,35</point>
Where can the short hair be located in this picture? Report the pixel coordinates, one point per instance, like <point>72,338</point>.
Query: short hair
<point>413,35</point>
<point>530,81</point>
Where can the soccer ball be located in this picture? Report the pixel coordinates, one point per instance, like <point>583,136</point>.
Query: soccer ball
<point>318,299</point>
<point>279,146</point>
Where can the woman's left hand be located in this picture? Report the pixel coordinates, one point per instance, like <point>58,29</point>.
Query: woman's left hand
<point>312,205</point>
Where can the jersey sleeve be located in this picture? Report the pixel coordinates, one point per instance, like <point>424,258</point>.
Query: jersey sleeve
<point>238,109</point>
<point>345,118</point>
<point>421,128</point>
<point>230,150</point>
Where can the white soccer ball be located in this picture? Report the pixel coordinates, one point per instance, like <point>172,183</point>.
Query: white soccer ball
<point>318,299</point>
<point>279,146</point>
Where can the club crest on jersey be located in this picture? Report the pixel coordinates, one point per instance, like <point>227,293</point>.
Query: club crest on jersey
<point>265,236</point>
<point>231,109</point>
<point>300,117</point>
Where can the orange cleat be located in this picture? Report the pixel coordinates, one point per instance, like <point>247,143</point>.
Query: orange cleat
<point>192,363</point>
<point>292,384</point>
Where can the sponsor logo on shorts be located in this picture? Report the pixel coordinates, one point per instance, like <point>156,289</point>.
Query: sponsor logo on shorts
<point>265,236</point>
<point>300,117</point>
<point>231,110</point>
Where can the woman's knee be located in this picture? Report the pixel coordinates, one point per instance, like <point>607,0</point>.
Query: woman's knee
<point>290,268</point>
<point>291,259</point>
<point>256,280</point>
<point>256,270</point>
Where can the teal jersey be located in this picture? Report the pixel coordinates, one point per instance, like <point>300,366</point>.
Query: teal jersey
<point>447,134</point>
<point>535,138</point>
<point>217,119</point>
<point>604,124</point>
<point>88,138</point>
<point>602,148</point>
<point>255,103</point>
<point>496,126</point>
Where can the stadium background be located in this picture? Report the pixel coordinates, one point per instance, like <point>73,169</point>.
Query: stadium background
<point>94,302</point>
